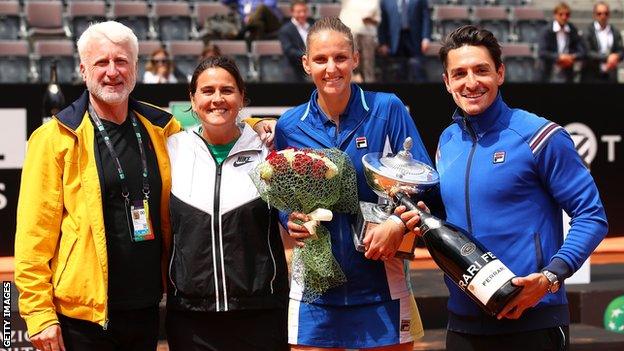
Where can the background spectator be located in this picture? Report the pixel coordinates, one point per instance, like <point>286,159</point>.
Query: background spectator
<point>210,50</point>
<point>405,31</point>
<point>604,47</point>
<point>363,17</point>
<point>293,34</point>
<point>560,45</point>
<point>260,17</point>
<point>160,68</point>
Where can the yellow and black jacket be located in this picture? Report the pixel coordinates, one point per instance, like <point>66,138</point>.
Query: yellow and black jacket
<point>61,263</point>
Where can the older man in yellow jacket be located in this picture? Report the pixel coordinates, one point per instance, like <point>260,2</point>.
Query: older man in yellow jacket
<point>92,221</point>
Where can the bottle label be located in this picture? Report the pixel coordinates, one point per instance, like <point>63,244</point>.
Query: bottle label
<point>489,279</point>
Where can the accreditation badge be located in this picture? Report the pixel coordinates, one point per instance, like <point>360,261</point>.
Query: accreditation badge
<point>141,225</point>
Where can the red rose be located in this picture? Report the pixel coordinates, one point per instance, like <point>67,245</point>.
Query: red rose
<point>302,163</point>
<point>278,162</point>
<point>318,169</point>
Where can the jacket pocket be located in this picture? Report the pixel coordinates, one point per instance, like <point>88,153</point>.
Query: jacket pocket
<point>66,246</point>
<point>539,256</point>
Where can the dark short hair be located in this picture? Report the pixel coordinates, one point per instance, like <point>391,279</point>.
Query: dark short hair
<point>332,24</point>
<point>227,64</point>
<point>473,36</point>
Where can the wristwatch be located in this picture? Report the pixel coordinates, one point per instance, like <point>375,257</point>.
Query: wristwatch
<point>554,283</point>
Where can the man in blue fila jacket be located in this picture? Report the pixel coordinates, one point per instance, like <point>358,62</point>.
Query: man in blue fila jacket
<point>505,176</point>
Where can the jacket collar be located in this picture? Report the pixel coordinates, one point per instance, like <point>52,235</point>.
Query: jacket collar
<point>247,141</point>
<point>357,106</point>
<point>72,115</point>
<point>483,122</point>
<point>557,27</point>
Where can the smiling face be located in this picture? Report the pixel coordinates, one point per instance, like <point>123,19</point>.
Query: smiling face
<point>108,70</point>
<point>472,78</point>
<point>217,99</point>
<point>330,60</point>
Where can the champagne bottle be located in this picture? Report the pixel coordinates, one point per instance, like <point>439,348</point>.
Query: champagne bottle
<point>53,98</point>
<point>472,267</point>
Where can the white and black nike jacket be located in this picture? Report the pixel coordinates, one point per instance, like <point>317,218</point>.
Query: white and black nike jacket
<point>227,251</point>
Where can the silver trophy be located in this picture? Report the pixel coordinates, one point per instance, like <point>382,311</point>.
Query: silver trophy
<point>387,175</point>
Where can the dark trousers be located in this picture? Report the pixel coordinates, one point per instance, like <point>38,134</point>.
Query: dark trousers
<point>252,330</point>
<point>133,330</point>
<point>551,339</point>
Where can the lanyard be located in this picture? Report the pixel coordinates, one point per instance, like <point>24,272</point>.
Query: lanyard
<point>122,176</point>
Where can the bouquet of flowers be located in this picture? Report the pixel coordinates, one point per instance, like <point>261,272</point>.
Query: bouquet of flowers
<point>314,182</point>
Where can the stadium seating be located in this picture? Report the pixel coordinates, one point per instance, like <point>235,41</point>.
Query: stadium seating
<point>173,19</point>
<point>9,20</point>
<point>494,19</point>
<point>45,19</point>
<point>134,14</point>
<point>520,62</point>
<point>271,61</point>
<point>60,51</point>
<point>237,49</point>
<point>14,61</point>
<point>82,13</point>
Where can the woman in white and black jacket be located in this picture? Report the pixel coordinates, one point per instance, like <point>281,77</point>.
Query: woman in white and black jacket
<point>228,287</point>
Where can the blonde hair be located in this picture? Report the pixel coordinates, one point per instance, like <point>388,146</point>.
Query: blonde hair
<point>114,31</point>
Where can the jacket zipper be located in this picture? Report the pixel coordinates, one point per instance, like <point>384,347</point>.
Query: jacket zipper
<point>215,227</point>
<point>270,249</point>
<point>473,136</point>
<point>175,288</point>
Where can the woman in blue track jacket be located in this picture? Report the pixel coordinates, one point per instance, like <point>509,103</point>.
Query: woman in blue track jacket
<point>375,307</point>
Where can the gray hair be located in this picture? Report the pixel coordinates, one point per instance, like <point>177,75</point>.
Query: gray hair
<point>113,31</point>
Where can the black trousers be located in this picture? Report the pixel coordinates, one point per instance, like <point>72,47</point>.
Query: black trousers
<point>133,330</point>
<point>247,330</point>
<point>551,339</point>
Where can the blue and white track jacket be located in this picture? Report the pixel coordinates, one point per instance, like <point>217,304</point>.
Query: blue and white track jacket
<point>505,176</point>
<point>372,122</point>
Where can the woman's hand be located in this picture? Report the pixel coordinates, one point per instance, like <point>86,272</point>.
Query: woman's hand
<point>383,240</point>
<point>298,231</point>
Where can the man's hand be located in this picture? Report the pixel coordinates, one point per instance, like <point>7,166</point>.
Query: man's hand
<point>383,50</point>
<point>266,131</point>
<point>565,60</point>
<point>49,339</point>
<point>612,61</point>
<point>424,45</point>
<point>535,286</point>
<point>298,231</point>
